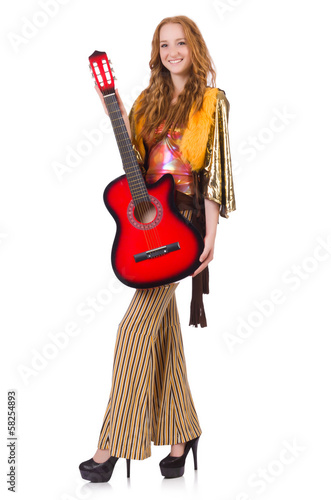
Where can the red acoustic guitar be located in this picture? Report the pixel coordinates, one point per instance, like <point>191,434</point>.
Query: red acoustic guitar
<point>154,243</point>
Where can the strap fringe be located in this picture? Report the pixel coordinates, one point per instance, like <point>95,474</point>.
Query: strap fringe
<point>199,286</point>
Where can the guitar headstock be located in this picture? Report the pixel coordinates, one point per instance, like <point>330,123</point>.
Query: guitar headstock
<point>102,72</point>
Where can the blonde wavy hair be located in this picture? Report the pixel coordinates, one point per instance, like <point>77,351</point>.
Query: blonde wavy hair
<point>155,104</point>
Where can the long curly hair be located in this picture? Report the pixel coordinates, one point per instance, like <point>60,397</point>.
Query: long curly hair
<point>155,104</point>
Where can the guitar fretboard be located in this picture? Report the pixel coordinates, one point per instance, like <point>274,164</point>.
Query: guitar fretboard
<point>132,170</point>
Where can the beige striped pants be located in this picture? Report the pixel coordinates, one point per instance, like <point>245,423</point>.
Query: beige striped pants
<point>150,397</point>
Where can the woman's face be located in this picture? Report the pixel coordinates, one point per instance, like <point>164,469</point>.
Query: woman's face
<point>174,50</point>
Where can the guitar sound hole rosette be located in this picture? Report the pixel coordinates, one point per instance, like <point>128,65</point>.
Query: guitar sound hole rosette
<point>149,225</point>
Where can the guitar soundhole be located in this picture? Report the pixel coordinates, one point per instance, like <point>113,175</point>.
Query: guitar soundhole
<point>145,215</point>
<point>145,212</point>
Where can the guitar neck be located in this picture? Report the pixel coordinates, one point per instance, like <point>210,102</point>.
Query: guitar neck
<point>131,168</point>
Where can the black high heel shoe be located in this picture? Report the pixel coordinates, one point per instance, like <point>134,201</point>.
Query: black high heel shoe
<point>100,472</point>
<point>175,466</point>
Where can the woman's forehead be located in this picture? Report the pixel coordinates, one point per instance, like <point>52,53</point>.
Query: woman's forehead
<point>171,30</point>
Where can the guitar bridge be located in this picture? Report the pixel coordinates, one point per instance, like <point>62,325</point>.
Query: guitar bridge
<point>156,252</point>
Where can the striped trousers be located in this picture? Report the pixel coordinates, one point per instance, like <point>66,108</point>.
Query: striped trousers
<point>150,397</point>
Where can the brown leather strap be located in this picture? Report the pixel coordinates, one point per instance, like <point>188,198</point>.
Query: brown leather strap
<point>200,283</point>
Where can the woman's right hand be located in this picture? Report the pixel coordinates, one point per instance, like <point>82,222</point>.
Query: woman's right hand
<point>121,106</point>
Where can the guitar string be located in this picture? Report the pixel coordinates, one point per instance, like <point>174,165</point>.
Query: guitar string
<point>142,207</point>
<point>113,101</point>
<point>152,236</point>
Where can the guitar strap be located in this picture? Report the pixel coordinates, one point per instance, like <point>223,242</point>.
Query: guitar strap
<point>200,283</point>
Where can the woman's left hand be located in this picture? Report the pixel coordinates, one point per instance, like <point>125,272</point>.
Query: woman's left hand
<point>206,256</point>
<point>212,214</point>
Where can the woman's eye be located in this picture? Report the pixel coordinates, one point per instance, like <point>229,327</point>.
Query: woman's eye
<point>181,43</point>
<point>163,45</point>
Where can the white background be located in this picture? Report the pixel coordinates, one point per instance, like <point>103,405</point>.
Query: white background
<point>259,389</point>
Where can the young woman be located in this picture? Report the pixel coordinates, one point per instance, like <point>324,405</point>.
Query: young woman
<point>178,124</point>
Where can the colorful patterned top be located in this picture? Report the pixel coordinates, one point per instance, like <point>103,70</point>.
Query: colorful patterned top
<point>164,157</point>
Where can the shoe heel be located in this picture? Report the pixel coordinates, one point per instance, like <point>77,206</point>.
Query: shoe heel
<point>195,453</point>
<point>128,467</point>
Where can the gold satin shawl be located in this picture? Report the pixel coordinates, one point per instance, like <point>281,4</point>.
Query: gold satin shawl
<point>216,174</point>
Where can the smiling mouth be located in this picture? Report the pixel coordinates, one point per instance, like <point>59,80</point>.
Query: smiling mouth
<point>175,61</point>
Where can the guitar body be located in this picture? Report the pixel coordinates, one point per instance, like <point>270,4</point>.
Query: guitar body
<point>162,250</point>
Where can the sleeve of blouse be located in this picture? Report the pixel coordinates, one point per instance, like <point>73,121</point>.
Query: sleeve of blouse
<point>134,140</point>
<point>216,174</point>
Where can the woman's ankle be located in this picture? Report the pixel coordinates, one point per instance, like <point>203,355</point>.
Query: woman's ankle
<point>177,450</point>
<point>101,456</point>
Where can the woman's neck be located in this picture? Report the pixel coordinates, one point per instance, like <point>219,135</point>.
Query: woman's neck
<point>179,83</point>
